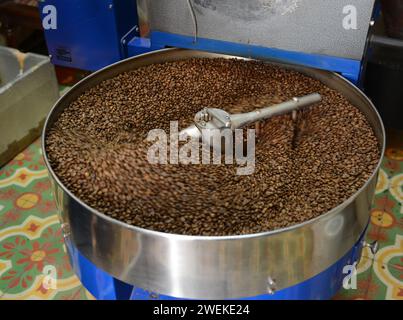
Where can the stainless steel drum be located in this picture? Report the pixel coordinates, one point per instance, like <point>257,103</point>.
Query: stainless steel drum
<point>213,267</point>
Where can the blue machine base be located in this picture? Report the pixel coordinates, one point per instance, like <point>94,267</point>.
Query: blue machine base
<point>105,287</point>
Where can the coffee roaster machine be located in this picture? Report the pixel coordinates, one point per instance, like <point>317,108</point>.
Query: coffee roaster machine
<point>325,39</point>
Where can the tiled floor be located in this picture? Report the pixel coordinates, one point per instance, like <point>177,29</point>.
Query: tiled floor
<point>30,235</point>
<point>31,240</point>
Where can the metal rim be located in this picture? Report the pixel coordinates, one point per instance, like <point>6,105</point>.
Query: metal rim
<point>199,237</point>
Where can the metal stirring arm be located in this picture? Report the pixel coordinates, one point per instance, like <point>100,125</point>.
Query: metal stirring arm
<point>213,118</point>
<point>243,119</point>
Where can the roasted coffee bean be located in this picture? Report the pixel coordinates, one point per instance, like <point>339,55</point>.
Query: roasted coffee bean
<point>305,165</point>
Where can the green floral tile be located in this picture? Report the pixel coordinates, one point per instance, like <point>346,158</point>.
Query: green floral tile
<point>33,260</point>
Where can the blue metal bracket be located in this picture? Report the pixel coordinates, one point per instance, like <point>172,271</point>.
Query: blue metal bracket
<point>131,34</point>
<point>139,45</point>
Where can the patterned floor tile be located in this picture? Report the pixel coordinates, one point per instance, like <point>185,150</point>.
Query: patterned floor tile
<point>33,260</point>
<point>386,276</point>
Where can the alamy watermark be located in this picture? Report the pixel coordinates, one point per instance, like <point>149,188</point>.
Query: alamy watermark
<point>350,280</point>
<point>50,279</point>
<point>216,145</point>
<point>49,21</point>
<point>350,18</point>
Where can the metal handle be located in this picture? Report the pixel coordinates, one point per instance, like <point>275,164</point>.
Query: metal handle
<point>242,119</point>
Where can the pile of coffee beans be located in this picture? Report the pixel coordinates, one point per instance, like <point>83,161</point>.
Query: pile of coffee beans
<point>305,165</point>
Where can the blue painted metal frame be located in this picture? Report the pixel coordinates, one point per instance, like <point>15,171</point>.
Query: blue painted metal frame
<point>103,286</point>
<point>349,68</point>
<point>89,33</point>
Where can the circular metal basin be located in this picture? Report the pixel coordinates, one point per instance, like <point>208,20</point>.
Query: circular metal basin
<point>222,266</point>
